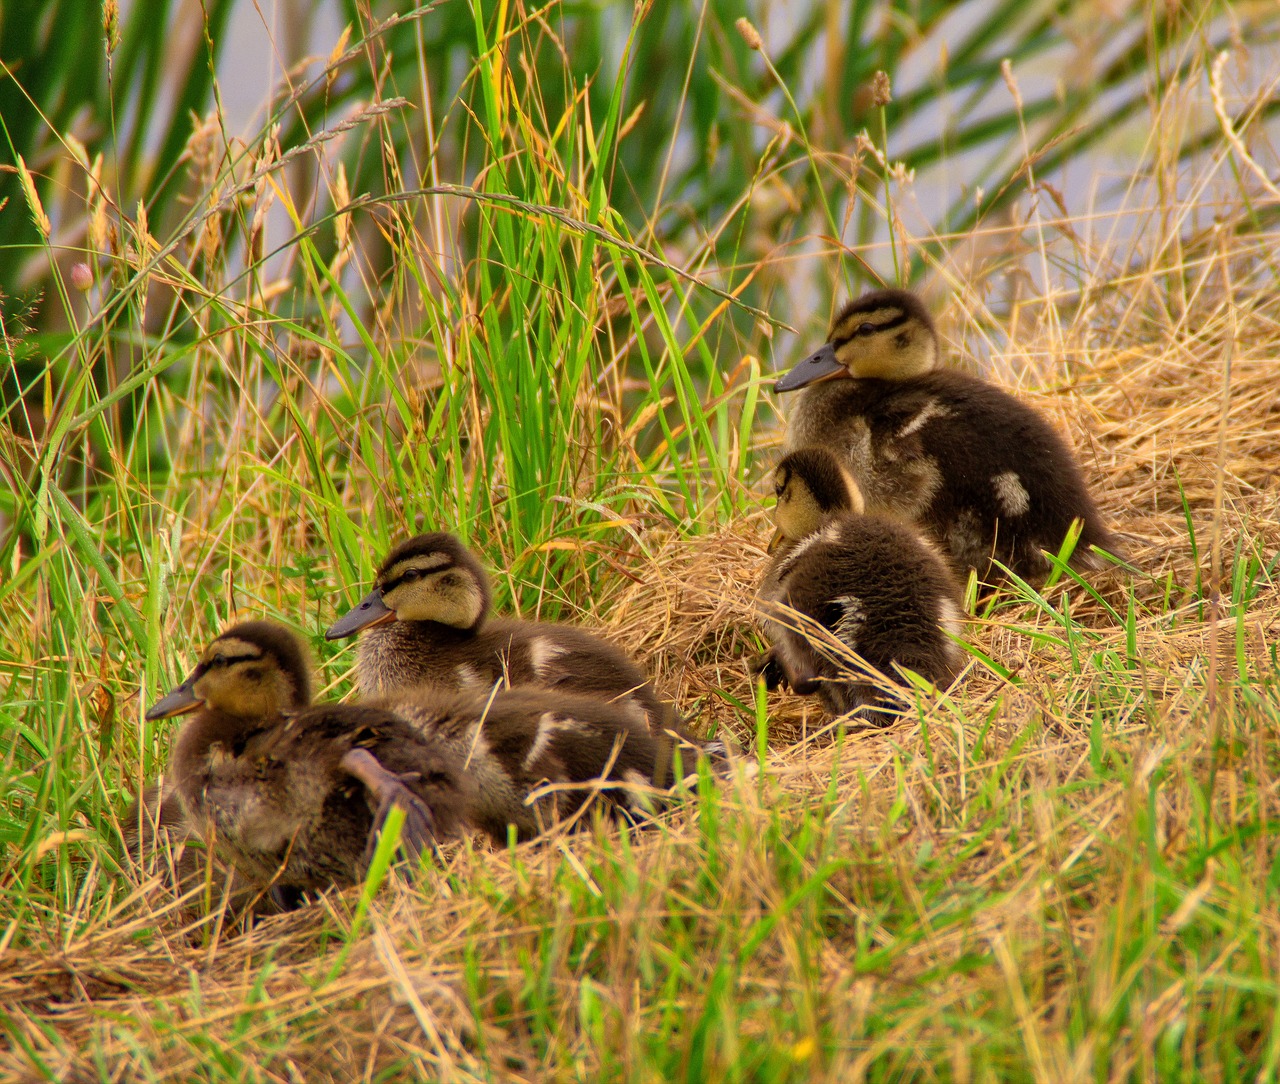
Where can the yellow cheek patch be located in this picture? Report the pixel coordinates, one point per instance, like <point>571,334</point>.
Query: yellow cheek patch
<point>460,601</point>
<point>451,597</point>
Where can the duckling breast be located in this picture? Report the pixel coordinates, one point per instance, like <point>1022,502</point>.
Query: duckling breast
<point>876,427</point>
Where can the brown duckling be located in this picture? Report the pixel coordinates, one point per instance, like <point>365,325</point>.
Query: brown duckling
<point>428,622</point>
<point>977,469</point>
<point>293,794</point>
<point>860,584</point>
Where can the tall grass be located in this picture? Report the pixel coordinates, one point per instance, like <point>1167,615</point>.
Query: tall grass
<point>534,300</point>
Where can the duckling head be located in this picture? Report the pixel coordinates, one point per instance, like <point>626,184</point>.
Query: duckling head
<point>812,487</point>
<point>433,577</point>
<point>885,333</point>
<point>255,669</point>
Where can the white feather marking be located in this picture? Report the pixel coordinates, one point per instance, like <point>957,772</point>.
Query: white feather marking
<point>951,621</point>
<point>542,651</point>
<point>1010,492</point>
<point>548,724</point>
<point>468,676</point>
<point>949,616</point>
<point>849,625</point>
<point>932,409</point>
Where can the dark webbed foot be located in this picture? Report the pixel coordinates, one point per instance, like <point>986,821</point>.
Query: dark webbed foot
<point>388,789</point>
<point>767,666</point>
<point>287,897</point>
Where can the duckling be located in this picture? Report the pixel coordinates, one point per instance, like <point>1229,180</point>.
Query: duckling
<point>979,470</point>
<point>294,795</point>
<point>869,582</point>
<point>428,622</point>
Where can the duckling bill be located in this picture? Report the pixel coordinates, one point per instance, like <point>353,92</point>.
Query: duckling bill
<point>427,620</point>
<point>845,589</point>
<point>980,471</point>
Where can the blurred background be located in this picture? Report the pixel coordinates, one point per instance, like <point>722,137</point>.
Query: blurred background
<point>773,154</point>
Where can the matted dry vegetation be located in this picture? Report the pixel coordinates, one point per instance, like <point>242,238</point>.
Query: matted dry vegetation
<point>1062,870</point>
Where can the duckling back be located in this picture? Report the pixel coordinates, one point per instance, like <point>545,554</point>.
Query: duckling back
<point>976,468</point>
<point>879,591</point>
<point>518,741</point>
<point>507,653</point>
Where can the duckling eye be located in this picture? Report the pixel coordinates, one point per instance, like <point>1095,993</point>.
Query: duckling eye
<point>866,329</point>
<point>218,660</point>
<point>411,575</point>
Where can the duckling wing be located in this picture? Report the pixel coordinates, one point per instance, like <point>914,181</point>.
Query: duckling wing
<point>567,739</point>
<point>1011,484</point>
<point>574,661</point>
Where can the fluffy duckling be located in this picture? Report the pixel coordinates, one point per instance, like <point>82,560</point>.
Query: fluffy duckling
<point>974,467</point>
<point>293,794</point>
<point>870,583</point>
<point>428,622</point>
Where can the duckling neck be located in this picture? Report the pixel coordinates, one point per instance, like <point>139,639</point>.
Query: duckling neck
<point>213,735</point>
<point>440,633</point>
<point>827,410</point>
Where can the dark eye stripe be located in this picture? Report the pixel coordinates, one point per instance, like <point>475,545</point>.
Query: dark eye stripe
<point>876,329</point>
<point>411,574</point>
<point>229,660</point>
<point>889,325</point>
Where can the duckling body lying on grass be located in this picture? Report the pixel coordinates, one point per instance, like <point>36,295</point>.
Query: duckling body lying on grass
<point>515,742</point>
<point>294,794</point>
<point>427,621</point>
<point>980,471</point>
<point>860,584</point>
